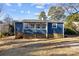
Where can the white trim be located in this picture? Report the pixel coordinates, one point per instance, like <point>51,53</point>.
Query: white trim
<point>54,24</point>
<point>63,30</point>
<point>46,29</point>
<point>23,28</point>
<point>14,28</point>
<point>35,29</point>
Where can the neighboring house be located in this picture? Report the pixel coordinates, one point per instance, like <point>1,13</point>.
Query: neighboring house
<point>1,25</point>
<point>4,27</point>
<point>39,28</point>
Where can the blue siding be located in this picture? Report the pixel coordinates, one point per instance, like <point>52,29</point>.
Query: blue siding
<point>50,30</point>
<point>58,29</point>
<point>18,27</point>
<point>30,31</point>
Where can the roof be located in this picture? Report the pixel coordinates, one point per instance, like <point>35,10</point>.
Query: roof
<point>42,21</point>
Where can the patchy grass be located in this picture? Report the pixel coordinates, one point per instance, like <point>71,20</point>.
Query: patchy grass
<point>39,47</point>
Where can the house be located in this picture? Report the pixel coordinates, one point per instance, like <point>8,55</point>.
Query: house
<point>4,28</point>
<point>39,28</point>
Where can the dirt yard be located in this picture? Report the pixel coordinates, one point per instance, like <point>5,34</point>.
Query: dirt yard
<point>39,47</point>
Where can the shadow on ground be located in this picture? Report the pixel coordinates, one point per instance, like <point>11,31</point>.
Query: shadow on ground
<point>37,49</point>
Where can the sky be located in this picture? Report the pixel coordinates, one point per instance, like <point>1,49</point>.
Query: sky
<point>24,10</point>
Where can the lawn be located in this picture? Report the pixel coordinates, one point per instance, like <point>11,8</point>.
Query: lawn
<point>39,47</point>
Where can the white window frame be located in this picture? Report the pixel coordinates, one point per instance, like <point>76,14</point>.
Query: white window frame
<point>54,24</point>
<point>24,25</point>
<point>38,26</point>
<point>43,27</point>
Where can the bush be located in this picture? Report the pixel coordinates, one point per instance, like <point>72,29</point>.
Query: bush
<point>11,30</point>
<point>69,31</point>
<point>19,35</point>
<point>5,33</point>
<point>1,35</point>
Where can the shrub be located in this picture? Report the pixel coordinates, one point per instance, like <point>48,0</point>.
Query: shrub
<point>69,31</point>
<point>19,35</point>
<point>1,35</point>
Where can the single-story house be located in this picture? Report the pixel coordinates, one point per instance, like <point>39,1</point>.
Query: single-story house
<point>39,28</point>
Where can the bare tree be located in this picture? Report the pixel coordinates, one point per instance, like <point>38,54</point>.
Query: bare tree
<point>71,7</point>
<point>8,19</point>
<point>56,13</point>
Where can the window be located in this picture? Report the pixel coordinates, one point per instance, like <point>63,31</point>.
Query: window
<point>43,26</point>
<point>31,25</point>
<point>28,25</point>
<point>37,25</point>
<point>54,25</point>
<point>25,25</point>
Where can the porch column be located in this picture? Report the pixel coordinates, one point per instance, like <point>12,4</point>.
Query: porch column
<point>46,29</point>
<point>35,29</point>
